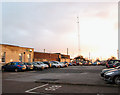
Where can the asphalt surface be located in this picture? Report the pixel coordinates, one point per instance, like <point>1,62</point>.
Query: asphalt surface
<point>74,79</point>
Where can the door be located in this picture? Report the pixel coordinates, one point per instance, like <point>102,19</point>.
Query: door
<point>13,66</point>
<point>8,66</point>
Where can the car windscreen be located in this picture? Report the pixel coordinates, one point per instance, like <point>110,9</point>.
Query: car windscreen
<point>113,61</point>
<point>54,62</point>
<point>28,63</point>
<point>35,64</point>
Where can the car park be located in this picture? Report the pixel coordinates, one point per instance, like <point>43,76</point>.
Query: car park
<point>106,70</point>
<point>14,66</point>
<point>110,63</point>
<point>113,76</point>
<point>29,66</point>
<point>48,63</point>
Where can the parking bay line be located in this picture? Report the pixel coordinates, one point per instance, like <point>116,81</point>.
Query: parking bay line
<point>29,91</point>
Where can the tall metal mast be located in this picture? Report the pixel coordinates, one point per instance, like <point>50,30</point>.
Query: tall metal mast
<point>78,36</point>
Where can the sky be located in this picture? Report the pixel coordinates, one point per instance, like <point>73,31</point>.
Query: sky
<point>53,26</point>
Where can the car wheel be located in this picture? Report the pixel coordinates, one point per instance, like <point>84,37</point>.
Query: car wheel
<point>117,80</point>
<point>42,68</point>
<point>3,69</point>
<point>16,70</point>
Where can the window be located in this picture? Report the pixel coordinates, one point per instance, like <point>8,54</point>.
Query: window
<point>13,63</point>
<point>20,57</point>
<point>3,56</point>
<point>8,64</point>
<point>29,57</point>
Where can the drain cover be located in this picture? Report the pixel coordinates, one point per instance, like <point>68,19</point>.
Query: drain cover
<point>49,79</point>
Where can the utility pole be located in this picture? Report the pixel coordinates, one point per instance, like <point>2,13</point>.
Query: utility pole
<point>67,51</point>
<point>118,54</point>
<point>44,50</point>
<point>89,55</point>
<point>78,36</point>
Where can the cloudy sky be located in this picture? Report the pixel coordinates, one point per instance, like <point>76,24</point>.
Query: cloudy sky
<point>53,26</point>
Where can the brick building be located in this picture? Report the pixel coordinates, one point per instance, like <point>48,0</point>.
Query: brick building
<point>9,53</point>
<point>40,56</point>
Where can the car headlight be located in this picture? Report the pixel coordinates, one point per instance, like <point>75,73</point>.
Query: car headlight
<point>109,73</point>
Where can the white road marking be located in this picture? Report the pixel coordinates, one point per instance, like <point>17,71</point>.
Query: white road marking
<point>53,87</point>
<point>29,91</point>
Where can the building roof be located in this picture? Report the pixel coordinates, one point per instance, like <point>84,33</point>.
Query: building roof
<point>15,46</point>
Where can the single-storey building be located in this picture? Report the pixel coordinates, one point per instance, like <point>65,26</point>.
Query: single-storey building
<point>41,56</point>
<point>12,53</point>
<point>9,53</point>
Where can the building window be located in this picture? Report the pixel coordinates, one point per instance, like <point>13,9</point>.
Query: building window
<point>20,57</point>
<point>3,57</point>
<point>29,57</point>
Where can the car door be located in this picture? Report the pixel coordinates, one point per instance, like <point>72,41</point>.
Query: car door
<point>118,64</point>
<point>13,66</point>
<point>8,66</point>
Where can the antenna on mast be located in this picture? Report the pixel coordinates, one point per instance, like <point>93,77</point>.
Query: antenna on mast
<point>78,36</point>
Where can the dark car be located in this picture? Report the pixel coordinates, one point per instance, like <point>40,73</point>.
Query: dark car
<point>14,66</point>
<point>113,76</point>
<point>116,64</point>
<point>74,64</point>
<point>110,63</point>
<point>29,66</point>
<point>106,70</point>
<point>48,63</point>
<point>103,63</point>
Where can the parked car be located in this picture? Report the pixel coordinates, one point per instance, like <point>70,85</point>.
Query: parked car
<point>94,63</point>
<point>103,63</point>
<point>106,70</point>
<point>110,63</point>
<point>61,64</point>
<point>116,64</point>
<point>14,66</point>
<point>77,63</point>
<point>48,63</point>
<point>43,65</point>
<point>37,66</point>
<point>66,65</point>
<point>113,76</point>
<point>69,64</point>
<point>87,63</point>
<point>29,66</point>
<point>54,64</point>
<point>74,64</point>
<point>98,63</point>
